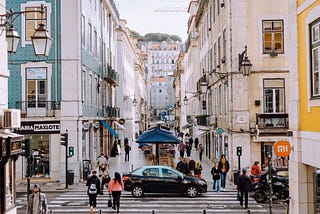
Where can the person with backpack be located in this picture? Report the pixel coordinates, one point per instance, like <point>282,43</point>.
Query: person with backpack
<point>93,184</point>
<point>115,187</point>
<point>37,202</point>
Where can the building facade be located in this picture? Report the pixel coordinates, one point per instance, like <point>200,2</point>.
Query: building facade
<point>304,162</point>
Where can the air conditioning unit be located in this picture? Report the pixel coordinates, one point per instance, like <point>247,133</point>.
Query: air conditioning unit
<point>11,119</point>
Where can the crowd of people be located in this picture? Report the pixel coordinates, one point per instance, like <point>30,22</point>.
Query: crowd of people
<point>100,178</point>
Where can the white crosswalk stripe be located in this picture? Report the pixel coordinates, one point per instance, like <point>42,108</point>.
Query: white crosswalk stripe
<point>211,202</point>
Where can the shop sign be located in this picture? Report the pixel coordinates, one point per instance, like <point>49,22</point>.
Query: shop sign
<point>282,148</point>
<point>15,148</point>
<point>39,127</point>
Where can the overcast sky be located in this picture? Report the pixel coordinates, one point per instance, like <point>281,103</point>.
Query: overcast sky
<point>140,16</point>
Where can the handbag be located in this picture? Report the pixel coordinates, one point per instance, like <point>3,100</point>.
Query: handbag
<point>238,196</point>
<point>109,202</point>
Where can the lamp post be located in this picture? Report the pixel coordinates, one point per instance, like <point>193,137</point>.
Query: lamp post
<point>41,40</point>
<point>244,63</point>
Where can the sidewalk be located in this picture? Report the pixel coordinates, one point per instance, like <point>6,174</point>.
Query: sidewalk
<point>118,164</point>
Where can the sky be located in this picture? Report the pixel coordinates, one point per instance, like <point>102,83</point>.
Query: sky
<point>142,18</point>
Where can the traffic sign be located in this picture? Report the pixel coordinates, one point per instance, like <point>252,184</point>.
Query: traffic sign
<point>219,130</point>
<point>282,148</point>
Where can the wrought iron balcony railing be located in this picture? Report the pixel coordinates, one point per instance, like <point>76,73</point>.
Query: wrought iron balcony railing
<point>111,75</point>
<point>37,108</point>
<point>272,121</point>
<point>110,111</point>
<point>203,120</point>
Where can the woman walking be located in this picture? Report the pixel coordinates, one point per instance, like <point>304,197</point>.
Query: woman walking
<point>198,169</point>
<point>215,172</point>
<point>115,187</point>
<point>93,184</point>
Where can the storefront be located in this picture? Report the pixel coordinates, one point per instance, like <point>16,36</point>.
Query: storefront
<point>10,148</point>
<point>41,136</point>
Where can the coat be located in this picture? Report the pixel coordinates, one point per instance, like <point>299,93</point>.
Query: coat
<point>43,204</point>
<point>244,183</point>
<point>93,180</point>
<point>215,173</point>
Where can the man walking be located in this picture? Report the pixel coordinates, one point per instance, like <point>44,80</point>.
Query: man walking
<point>127,150</point>
<point>93,184</point>
<point>37,202</point>
<point>101,160</point>
<point>244,186</point>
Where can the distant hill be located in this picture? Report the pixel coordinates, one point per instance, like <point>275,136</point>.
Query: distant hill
<point>156,37</point>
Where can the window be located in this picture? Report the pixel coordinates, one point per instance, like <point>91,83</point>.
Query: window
<point>90,38</point>
<point>36,87</point>
<point>224,46</point>
<point>83,31</point>
<point>272,36</point>
<point>274,96</point>
<point>95,40</point>
<point>167,173</point>
<point>33,19</point>
<point>151,172</point>
<point>315,58</point>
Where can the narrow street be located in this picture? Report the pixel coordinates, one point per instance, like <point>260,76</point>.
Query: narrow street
<point>76,201</point>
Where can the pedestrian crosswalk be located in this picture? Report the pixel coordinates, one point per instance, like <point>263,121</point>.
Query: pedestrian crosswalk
<point>210,202</point>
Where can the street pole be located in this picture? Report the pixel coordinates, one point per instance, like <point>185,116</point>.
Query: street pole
<point>66,165</point>
<point>269,153</point>
<point>28,174</point>
<point>239,163</point>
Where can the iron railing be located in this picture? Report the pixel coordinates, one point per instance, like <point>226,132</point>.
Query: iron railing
<point>37,108</point>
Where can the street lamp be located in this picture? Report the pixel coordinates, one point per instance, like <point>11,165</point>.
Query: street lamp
<point>41,40</point>
<point>244,63</point>
<point>185,99</point>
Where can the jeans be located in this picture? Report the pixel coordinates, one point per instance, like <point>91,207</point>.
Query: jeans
<point>223,179</point>
<point>126,157</point>
<point>216,183</point>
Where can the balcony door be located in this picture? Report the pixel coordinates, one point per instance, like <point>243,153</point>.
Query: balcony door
<point>36,91</point>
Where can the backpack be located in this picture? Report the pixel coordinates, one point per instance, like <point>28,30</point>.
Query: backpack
<point>93,189</point>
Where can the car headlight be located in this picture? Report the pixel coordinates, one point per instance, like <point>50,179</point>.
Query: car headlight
<point>201,182</point>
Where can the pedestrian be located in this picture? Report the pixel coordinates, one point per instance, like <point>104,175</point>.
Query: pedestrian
<point>184,166</point>
<point>255,169</point>
<point>196,143</point>
<point>115,187</point>
<point>179,163</point>
<point>215,172</point>
<point>192,165</point>
<point>181,148</point>
<point>37,201</point>
<point>198,169</point>
<point>224,166</point>
<point>188,149</point>
<point>244,186</point>
<point>127,150</point>
<point>93,184</point>
<point>190,142</point>
<point>101,160</point>
<point>200,151</point>
<point>105,178</point>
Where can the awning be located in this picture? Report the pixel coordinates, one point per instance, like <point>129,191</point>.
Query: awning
<point>187,126</point>
<point>119,125</point>
<point>105,124</point>
<point>200,132</point>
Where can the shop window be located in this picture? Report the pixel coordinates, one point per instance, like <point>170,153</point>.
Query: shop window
<point>40,156</point>
<point>9,189</point>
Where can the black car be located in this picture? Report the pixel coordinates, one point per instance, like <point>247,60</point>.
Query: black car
<point>162,179</point>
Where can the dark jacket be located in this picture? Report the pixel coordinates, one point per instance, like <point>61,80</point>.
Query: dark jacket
<point>215,173</point>
<point>93,180</point>
<point>244,184</point>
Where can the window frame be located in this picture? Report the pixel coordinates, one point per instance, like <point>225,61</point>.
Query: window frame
<point>272,31</point>
<point>314,46</point>
<point>274,89</point>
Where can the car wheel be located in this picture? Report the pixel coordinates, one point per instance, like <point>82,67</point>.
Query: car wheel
<point>192,191</point>
<point>260,196</point>
<point>137,191</point>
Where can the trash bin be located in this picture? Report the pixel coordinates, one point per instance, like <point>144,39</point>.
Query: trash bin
<point>86,169</point>
<point>236,175</point>
<point>70,177</point>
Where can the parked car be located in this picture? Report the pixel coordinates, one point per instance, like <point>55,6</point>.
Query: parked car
<point>162,179</point>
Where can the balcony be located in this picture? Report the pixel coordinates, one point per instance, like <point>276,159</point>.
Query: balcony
<point>273,123</point>
<point>38,108</point>
<point>111,112</point>
<point>110,75</point>
<point>203,120</point>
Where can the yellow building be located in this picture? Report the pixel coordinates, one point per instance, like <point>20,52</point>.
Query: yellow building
<point>305,156</point>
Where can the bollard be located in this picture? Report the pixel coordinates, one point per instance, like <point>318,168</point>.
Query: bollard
<point>50,212</point>
<point>131,167</point>
<point>204,211</point>
<point>100,211</point>
<point>152,211</point>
